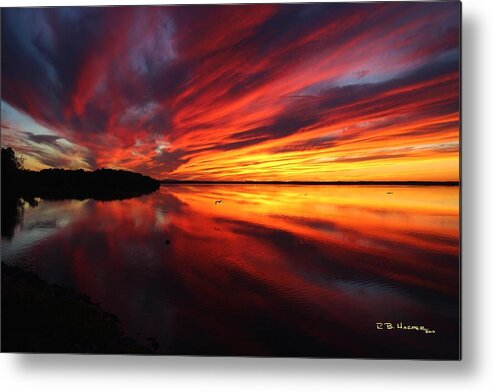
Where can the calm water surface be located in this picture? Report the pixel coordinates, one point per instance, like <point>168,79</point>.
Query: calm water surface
<point>271,270</point>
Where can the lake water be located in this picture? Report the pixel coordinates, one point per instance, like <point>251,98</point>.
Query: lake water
<point>285,270</point>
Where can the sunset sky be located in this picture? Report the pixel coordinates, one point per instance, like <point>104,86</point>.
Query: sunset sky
<point>319,92</point>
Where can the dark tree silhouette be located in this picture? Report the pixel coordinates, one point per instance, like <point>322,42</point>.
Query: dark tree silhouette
<point>10,162</point>
<point>11,202</point>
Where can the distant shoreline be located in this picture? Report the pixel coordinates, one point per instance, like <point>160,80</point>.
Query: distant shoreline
<point>389,183</point>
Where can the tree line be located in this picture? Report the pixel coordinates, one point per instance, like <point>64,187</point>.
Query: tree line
<point>100,184</point>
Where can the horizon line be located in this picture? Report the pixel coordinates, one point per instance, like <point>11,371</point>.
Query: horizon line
<point>276,182</point>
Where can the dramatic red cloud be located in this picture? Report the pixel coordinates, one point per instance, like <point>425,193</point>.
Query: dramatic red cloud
<point>252,92</point>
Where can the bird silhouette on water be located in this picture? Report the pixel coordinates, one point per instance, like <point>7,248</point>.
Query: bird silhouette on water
<point>218,202</point>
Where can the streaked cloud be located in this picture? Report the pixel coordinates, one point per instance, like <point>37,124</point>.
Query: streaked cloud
<point>290,92</point>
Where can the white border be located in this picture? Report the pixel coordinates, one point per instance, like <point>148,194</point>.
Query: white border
<point>126,373</point>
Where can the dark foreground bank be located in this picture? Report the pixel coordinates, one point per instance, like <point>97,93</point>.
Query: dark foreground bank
<point>40,317</point>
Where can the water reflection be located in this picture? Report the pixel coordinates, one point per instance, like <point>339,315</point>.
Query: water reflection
<point>272,270</point>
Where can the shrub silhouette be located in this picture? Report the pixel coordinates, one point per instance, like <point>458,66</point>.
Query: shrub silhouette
<point>10,162</point>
